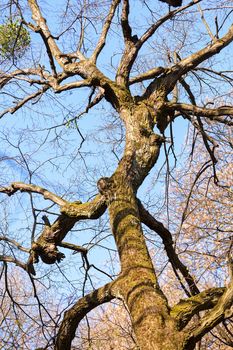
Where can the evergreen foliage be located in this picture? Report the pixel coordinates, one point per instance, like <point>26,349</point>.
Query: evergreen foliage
<point>14,39</point>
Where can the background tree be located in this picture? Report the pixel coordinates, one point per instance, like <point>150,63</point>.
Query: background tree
<point>139,75</point>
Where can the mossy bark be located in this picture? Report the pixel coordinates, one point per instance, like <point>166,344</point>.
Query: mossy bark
<point>137,284</point>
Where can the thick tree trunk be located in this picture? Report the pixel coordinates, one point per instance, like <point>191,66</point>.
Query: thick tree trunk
<point>137,284</point>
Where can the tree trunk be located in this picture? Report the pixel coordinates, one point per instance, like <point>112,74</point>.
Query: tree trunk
<point>137,284</point>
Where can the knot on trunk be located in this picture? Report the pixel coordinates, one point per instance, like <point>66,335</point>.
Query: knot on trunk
<point>104,184</point>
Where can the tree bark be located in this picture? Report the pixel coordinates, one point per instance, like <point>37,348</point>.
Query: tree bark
<point>137,284</point>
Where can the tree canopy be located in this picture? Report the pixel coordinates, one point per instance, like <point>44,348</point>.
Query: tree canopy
<point>116,175</point>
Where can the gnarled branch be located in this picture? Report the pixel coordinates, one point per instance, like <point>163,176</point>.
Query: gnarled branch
<point>45,246</point>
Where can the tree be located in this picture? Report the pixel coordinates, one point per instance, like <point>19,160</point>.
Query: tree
<point>145,96</point>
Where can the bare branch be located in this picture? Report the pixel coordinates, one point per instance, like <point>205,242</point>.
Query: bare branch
<point>77,312</point>
<point>51,46</point>
<point>166,236</point>
<point>192,61</point>
<point>74,85</point>
<point>30,188</point>
<point>6,77</point>
<point>150,74</point>
<point>88,210</point>
<point>206,24</point>
<point>45,246</point>
<point>22,102</point>
<point>73,247</point>
<point>17,262</point>
<point>210,113</point>
<point>150,31</point>
<point>105,30</point>
<point>127,31</point>
<point>15,243</point>
<point>133,47</point>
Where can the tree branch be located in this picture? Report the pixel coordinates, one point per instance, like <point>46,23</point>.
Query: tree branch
<point>186,309</point>
<point>192,61</point>
<point>22,102</point>
<point>132,47</point>
<point>30,188</point>
<point>150,74</point>
<point>69,86</point>
<point>77,312</point>
<point>6,77</point>
<point>166,236</point>
<point>51,46</point>
<point>210,113</point>
<point>17,262</point>
<point>15,243</point>
<point>88,210</point>
<point>45,246</point>
<point>127,30</point>
<point>105,30</point>
<point>150,31</point>
<point>221,311</point>
<point>73,247</point>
